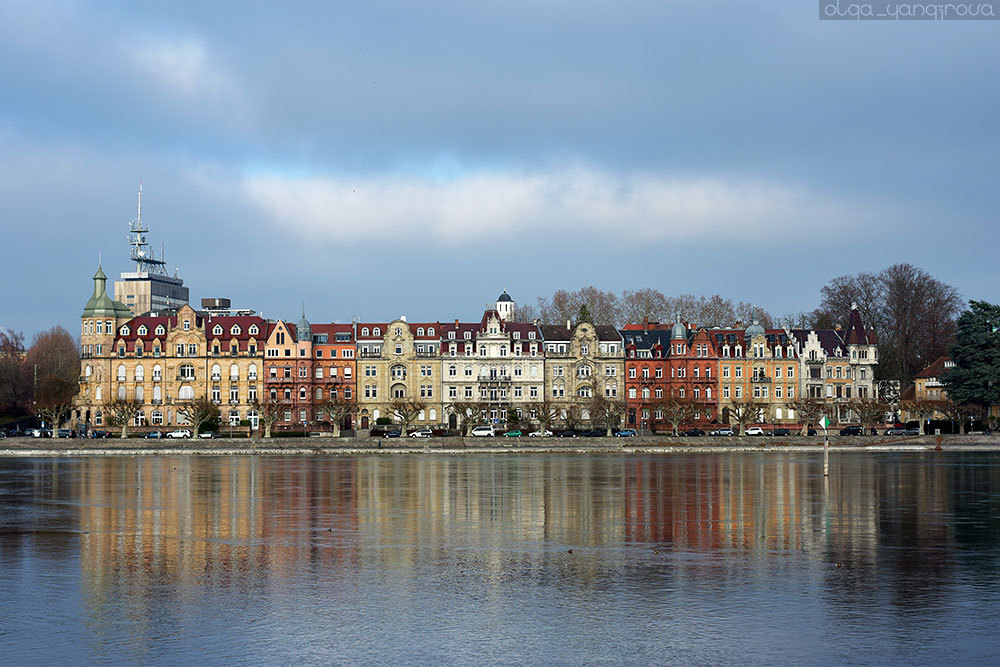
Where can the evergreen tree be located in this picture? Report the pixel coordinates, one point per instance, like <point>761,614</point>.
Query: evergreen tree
<point>584,315</point>
<point>975,377</point>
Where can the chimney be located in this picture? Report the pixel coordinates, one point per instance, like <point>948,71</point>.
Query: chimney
<point>456,322</point>
<point>536,322</point>
<point>739,324</point>
<point>402,317</point>
<point>645,323</point>
<point>568,327</point>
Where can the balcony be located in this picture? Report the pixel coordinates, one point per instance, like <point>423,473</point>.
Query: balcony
<point>156,401</point>
<point>498,377</point>
<point>760,379</point>
<point>427,355</point>
<point>370,355</point>
<point>157,378</point>
<point>234,401</point>
<point>185,378</point>
<point>216,377</point>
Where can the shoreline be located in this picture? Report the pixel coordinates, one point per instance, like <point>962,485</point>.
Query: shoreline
<point>32,448</point>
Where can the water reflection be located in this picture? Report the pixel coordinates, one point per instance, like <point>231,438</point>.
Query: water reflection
<point>136,553</point>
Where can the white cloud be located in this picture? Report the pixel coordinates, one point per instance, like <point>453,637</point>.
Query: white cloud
<point>586,201</point>
<point>184,67</point>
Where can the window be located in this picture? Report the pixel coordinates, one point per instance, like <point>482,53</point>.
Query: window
<point>216,395</point>
<point>631,373</point>
<point>319,373</point>
<point>192,350</point>
<point>140,373</point>
<point>187,325</point>
<point>186,372</point>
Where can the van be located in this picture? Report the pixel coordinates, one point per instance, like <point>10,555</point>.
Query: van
<point>482,432</point>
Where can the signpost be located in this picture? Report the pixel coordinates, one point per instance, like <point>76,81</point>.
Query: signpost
<point>825,422</point>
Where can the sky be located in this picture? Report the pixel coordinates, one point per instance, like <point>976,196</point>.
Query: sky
<point>373,159</point>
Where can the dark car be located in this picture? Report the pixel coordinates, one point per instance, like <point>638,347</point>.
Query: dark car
<point>851,430</point>
<point>154,434</point>
<point>100,434</point>
<point>566,434</point>
<point>811,431</point>
<point>596,433</point>
<point>693,432</point>
<point>780,431</point>
<point>393,434</point>
<point>902,430</point>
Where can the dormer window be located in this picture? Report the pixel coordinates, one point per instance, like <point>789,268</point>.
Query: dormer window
<point>376,331</point>
<point>451,335</point>
<point>531,335</point>
<point>235,330</point>
<point>254,330</point>
<point>430,331</point>
<point>468,335</point>
<point>124,330</point>
<point>217,330</point>
<point>420,331</point>
<point>364,331</point>
<point>160,330</point>
<point>142,330</point>
<point>517,335</point>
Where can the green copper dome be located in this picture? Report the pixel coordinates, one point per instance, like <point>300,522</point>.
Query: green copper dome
<point>100,304</point>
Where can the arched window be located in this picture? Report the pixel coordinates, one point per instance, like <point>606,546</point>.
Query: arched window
<point>139,393</point>
<point>98,417</point>
<point>253,331</point>
<point>185,393</point>
<point>121,373</point>
<point>157,395</point>
<point>433,412</point>
<point>121,392</point>
<point>140,373</point>
<point>157,373</point>
<point>302,393</point>
<point>234,372</point>
<point>376,331</point>
<point>252,372</point>
<point>420,331</point>
<point>88,371</point>
<point>430,332</point>
<point>364,331</point>
<point>124,330</point>
<point>156,418</point>
<point>216,372</point>
<point>97,393</point>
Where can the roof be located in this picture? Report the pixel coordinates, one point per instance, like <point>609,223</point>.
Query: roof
<point>936,369</point>
<point>100,304</point>
<point>504,297</point>
<point>559,332</point>
<point>856,332</point>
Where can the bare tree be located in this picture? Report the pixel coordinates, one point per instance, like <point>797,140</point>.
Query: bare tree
<point>676,411</point>
<point>572,416</point>
<point>54,398</point>
<point>809,411</point>
<point>638,305</point>
<point>268,411</point>
<point>198,412</point>
<point>15,387</point>
<point>406,410</point>
<point>606,412</point>
<point>54,353</point>
<point>545,411</point>
<point>121,411</point>
<point>745,411</point>
<point>870,411</point>
<point>337,408</point>
<point>957,413</point>
<point>923,410</point>
<point>469,411</point>
<point>564,306</point>
<point>524,312</point>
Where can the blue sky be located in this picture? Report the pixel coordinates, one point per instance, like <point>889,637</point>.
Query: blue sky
<point>377,158</point>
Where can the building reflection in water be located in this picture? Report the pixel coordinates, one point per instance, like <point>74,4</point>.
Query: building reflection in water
<point>154,529</point>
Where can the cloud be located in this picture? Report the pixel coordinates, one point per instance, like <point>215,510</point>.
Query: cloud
<point>585,202</point>
<point>184,66</point>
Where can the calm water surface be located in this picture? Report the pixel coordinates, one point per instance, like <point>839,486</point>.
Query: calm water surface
<point>540,559</point>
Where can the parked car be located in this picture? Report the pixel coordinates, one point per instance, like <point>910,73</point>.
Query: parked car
<point>626,433</point>
<point>693,433</point>
<point>569,433</point>
<point>811,431</point>
<point>482,432</point>
<point>902,430</point>
<point>40,433</point>
<point>725,430</point>
<point>421,433</point>
<point>851,430</point>
<point>595,433</point>
<point>541,433</point>
<point>179,433</point>
<point>395,433</point>
<point>100,434</point>
<point>67,433</point>
<point>755,430</point>
<point>512,434</point>
<point>780,431</point>
<point>154,435</point>
<point>208,434</point>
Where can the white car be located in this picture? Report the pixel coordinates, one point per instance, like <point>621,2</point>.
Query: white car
<point>482,432</point>
<point>755,430</point>
<point>540,434</point>
<point>421,433</point>
<point>722,431</point>
<point>179,433</point>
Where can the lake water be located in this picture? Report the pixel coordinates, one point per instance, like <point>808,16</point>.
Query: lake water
<point>537,559</point>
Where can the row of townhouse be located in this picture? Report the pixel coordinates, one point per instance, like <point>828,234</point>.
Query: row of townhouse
<point>493,369</point>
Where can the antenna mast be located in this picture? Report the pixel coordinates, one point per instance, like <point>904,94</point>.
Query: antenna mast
<point>145,260</point>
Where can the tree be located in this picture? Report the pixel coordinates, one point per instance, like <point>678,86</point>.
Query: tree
<point>923,410</point>
<point>975,378</point>
<point>268,411</point>
<point>606,412</point>
<point>54,398</point>
<point>337,408</point>
<point>870,411</point>
<point>524,312</point>
<point>15,386</point>
<point>565,306</point>
<point>545,412</point>
<point>469,411</point>
<point>406,410</point>
<point>584,315</point>
<point>809,411</point>
<point>54,353</point>
<point>643,304</point>
<point>676,411</point>
<point>572,416</point>
<point>198,412</point>
<point>912,314</point>
<point>121,411</point>
<point>745,411</point>
<point>958,413</point>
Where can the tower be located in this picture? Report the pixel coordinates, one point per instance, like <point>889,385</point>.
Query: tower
<point>505,306</point>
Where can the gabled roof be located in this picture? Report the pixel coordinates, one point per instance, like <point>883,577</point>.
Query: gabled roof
<point>936,369</point>
<point>856,332</point>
